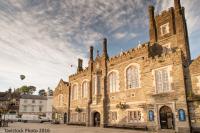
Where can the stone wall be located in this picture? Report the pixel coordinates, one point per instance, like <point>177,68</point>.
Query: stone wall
<point>194,93</point>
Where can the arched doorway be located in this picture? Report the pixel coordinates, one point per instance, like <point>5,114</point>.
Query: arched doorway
<point>96,119</point>
<point>65,118</point>
<point>166,118</point>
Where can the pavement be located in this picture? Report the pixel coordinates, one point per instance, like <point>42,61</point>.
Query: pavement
<point>19,127</point>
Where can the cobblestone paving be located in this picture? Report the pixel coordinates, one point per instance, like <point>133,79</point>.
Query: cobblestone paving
<point>61,128</point>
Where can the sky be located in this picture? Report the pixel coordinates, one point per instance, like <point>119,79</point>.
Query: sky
<point>41,39</point>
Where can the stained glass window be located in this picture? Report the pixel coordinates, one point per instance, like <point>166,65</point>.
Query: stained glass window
<point>181,113</point>
<point>151,115</point>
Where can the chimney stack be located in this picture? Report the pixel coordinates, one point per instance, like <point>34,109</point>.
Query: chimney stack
<point>10,90</point>
<point>152,25</point>
<point>105,54</point>
<point>91,53</point>
<point>80,65</point>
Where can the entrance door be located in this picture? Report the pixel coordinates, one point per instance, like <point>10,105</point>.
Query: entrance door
<point>96,119</point>
<point>166,118</point>
<point>65,118</point>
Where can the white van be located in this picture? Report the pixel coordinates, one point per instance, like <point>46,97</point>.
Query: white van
<point>34,118</point>
<point>10,117</point>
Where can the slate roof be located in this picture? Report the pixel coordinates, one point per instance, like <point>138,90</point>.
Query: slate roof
<point>28,96</point>
<point>4,96</point>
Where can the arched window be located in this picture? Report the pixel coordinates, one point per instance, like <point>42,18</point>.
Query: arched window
<point>162,80</point>
<point>61,100</point>
<point>132,77</point>
<point>113,82</point>
<point>74,92</point>
<point>85,87</point>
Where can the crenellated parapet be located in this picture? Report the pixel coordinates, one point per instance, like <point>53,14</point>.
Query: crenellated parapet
<point>141,50</point>
<point>165,13</point>
<point>169,57</point>
<point>78,74</point>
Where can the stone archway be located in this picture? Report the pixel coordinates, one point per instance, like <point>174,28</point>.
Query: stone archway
<point>96,119</point>
<point>166,118</point>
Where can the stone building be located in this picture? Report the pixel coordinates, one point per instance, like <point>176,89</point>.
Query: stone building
<point>60,101</point>
<point>154,86</point>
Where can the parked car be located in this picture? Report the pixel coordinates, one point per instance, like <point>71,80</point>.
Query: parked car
<point>44,119</point>
<point>10,117</point>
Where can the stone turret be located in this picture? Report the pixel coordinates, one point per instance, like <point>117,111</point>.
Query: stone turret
<point>181,29</point>
<point>177,5</point>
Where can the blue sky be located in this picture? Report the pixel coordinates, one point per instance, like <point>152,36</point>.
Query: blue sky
<point>42,38</point>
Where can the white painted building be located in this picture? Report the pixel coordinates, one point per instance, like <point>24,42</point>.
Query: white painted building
<point>36,105</point>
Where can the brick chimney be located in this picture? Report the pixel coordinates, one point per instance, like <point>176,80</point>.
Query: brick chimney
<point>91,53</point>
<point>152,25</point>
<point>105,54</point>
<point>80,65</point>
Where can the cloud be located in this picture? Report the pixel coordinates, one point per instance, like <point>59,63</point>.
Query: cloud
<point>120,35</point>
<point>125,35</point>
<point>41,39</point>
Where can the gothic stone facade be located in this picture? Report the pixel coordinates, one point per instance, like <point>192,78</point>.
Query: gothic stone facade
<point>154,86</point>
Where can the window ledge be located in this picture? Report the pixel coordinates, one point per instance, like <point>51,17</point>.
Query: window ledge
<point>163,93</point>
<point>113,93</point>
<point>134,88</point>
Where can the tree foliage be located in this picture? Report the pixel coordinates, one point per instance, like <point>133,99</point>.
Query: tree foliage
<point>26,89</point>
<point>50,92</point>
<point>42,92</point>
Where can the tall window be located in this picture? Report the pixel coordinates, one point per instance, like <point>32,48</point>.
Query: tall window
<point>33,101</point>
<point>166,47</point>
<point>198,84</point>
<point>74,117</point>
<point>132,77</point>
<point>164,29</point>
<point>162,80</point>
<point>85,88</point>
<point>25,108</point>
<point>113,116</point>
<point>25,100</point>
<point>40,108</point>
<point>113,82</point>
<point>134,116</point>
<point>74,92</point>
<point>61,100</point>
<point>32,108</point>
<point>97,87</point>
<point>83,117</point>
